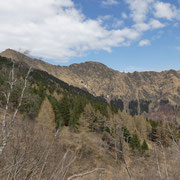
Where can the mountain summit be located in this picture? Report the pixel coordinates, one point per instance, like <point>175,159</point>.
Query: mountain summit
<point>99,80</point>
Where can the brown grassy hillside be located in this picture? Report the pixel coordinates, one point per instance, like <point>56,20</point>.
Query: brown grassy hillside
<point>63,132</point>
<point>99,80</point>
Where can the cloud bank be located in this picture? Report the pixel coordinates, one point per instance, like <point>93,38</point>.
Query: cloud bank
<point>57,30</point>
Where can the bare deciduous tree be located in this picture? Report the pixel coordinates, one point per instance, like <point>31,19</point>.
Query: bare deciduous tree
<point>8,125</point>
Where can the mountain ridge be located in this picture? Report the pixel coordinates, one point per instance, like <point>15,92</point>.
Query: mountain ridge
<point>69,119</point>
<point>100,80</point>
<point>12,54</point>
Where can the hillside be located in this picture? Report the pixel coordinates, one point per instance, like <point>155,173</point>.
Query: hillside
<point>101,80</point>
<point>155,93</point>
<point>59,125</point>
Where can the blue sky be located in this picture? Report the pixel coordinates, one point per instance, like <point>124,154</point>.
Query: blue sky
<point>126,35</point>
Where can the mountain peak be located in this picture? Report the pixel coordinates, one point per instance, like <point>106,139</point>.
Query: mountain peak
<point>89,64</point>
<point>15,55</point>
<point>24,57</point>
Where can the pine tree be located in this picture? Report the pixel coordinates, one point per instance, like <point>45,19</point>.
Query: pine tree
<point>77,109</point>
<point>65,111</point>
<point>135,142</point>
<point>126,134</point>
<point>144,146</point>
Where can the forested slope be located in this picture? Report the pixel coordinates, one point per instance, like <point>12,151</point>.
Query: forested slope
<point>62,131</point>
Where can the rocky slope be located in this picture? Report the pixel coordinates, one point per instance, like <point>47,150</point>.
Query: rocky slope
<point>149,88</point>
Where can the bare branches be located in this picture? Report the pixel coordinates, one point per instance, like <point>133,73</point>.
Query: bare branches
<point>47,154</point>
<point>7,126</point>
<point>85,173</point>
<point>119,146</point>
<point>11,83</point>
<point>174,139</point>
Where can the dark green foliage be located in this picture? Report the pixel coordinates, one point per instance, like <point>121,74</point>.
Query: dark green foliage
<point>14,98</point>
<point>114,109</point>
<point>58,91</point>
<point>154,124</point>
<point>133,107</point>
<point>144,146</point>
<point>135,142</point>
<point>126,134</point>
<point>154,132</point>
<point>100,106</point>
<point>57,111</point>
<point>41,85</point>
<point>107,130</point>
<point>77,109</point>
<point>65,110</point>
<point>103,138</point>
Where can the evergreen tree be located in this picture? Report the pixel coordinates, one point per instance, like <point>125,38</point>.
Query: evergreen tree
<point>154,133</point>
<point>65,110</point>
<point>144,146</point>
<point>135,142</point>
<point>126,134</point>
<point>56,108</point>
<point>76,112</point>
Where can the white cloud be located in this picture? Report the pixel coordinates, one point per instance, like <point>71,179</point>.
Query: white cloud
<point>117,24</point>
<point>165,10</point>
<point>110,21</point>
<point>178,48</point>
<point>110,2</point>
<point>141,27</point>
<point>56,30</point>
<point>152,24</point>
<point>155,24</point>
<point>139,9</point>
<point>144,42</point>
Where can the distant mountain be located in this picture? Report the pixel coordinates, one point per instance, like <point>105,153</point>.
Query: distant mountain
<point>137,92</point>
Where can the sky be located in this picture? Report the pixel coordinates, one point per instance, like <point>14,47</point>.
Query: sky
<point>126,35</point>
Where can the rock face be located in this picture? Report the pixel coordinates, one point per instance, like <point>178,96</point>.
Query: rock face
<point>98,79</point>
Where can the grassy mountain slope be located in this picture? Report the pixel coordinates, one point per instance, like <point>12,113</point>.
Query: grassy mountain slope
<point>102,80</point>
<point>93,134</point>
<point>155,93</point>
